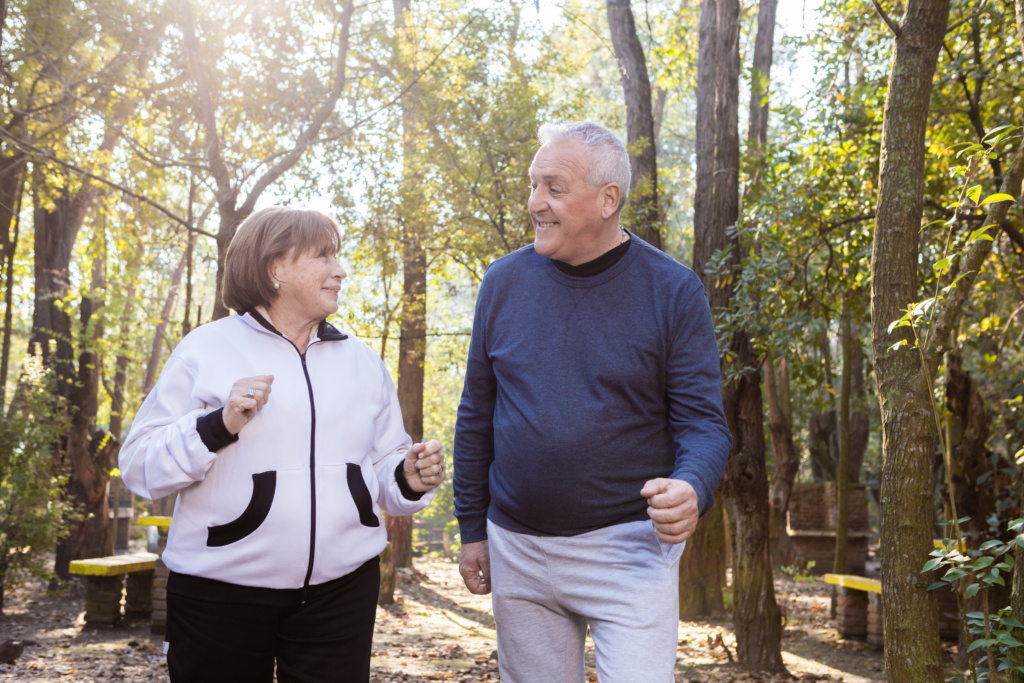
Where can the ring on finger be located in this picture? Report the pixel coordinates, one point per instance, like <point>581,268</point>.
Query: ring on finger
<point>250,392</point>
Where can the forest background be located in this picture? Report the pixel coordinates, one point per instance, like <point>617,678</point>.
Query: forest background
<point>878,183</point>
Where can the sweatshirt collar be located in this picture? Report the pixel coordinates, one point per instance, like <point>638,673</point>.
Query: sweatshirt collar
<point>322,332</point>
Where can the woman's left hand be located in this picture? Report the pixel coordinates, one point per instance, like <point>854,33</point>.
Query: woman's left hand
<point>424,466</point>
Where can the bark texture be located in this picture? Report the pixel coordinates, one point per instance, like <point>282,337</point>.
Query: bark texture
<point>412,343</point>
<point>912,651</point>
<point>756,614</point>
<point>643,212</point>
<point>702,567</point>
<point>786,458</point>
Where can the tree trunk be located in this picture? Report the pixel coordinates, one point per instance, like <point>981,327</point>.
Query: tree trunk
<point>702,567</point>
<point>912,651</point>
<point>412,343</point>
<point>706,239</point>
<point>757,128</point>
<point>643,213</point>
<point>229,220</point>
<point>12,190</point>
<point>756,615</point>
<point>707,547</point>
<point>156,350</point>
<point>787,460</point>
<point>89,450</point>
<point>843,466</point>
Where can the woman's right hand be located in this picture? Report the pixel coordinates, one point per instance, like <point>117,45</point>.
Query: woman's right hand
<point>243,404</point>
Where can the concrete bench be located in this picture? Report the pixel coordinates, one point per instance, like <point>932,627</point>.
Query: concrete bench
<point>859,607</point>
<point>107,577</point>
<point>158,623</point>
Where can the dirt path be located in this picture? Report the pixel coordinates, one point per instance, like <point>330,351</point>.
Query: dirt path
<point>437,632</point>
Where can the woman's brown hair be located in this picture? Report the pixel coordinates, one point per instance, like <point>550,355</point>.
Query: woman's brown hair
<point>262,238</point>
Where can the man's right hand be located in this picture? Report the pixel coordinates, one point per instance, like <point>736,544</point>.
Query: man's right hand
<point>475,567</point>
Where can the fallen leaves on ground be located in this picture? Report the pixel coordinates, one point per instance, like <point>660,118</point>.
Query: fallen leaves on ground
<point>437,631</point>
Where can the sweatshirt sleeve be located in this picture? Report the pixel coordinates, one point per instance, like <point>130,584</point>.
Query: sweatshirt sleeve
<point>390,446</point>
<point>694,387</point>
<point>164,450</point>
<point>473,452</point>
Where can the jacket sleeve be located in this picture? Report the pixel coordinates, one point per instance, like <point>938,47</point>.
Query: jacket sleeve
<point>164,451</point>
<point>694,388</point>
<point>473,451</point>
<point>390,446</point>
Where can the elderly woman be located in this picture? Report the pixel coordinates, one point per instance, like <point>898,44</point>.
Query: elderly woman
<point>284,439</point>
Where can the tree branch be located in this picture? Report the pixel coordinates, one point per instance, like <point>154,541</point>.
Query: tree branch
<point>209,116</point>
<point>893,26</point>
<point>48,155</point>
<point>307,136</point>
<point>972,259</point>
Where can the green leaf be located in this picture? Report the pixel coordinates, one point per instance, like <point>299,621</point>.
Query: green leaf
<point>980,234</point>
<point>1007,639</point>
<point>974,193</point>
<point>937,585</point>
<point>997,197</point>
<point>972,590</point>
<point>994,543</point>
<point>1011,622</point>
<point>901,342</point>
<point>981,642</point>
<point>941,265</point>
<point>931,564</point>
<point>1016,524</point>
<point>983,562</point>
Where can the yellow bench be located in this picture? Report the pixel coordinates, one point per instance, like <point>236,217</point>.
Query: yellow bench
<point>105,579</point>
<point>162,523</point>
<point>858,583</point>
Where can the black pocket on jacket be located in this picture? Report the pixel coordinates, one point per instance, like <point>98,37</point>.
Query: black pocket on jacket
<point>361,495</point>
<point>263,486</point>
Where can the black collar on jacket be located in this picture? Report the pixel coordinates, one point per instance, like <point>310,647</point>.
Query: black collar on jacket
<point>325,331</point>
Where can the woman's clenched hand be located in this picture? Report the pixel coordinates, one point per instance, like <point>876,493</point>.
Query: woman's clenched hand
<point>248,396</point>
<point>424,466</point>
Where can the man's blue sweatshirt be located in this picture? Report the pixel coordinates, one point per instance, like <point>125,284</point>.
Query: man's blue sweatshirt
<point>580,389</point>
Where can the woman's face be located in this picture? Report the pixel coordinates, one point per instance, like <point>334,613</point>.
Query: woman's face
<point>309,284</point>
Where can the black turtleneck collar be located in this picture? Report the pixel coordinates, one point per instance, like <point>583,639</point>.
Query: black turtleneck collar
<point>325,331</point>
<point>598,265</point>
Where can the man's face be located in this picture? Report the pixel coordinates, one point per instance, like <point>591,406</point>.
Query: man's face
<point>566,212</point>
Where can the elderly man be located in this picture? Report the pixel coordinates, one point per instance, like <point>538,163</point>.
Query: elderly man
<point>590,435</point>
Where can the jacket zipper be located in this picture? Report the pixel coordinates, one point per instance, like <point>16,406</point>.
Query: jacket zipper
<point>312,480</point>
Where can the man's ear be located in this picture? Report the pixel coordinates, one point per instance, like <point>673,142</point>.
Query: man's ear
<point>611,194</point>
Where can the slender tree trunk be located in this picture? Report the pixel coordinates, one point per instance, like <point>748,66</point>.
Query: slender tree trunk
<point>708,545</point>
<point>706,239</point>
<point>756,614</point>
<point>412,344</point>
<point>702,567</point>
<point>643,211</point>
<point>912,651</point>
<point>89,450</point>
<point>12,190</point>
<point>843,466</point>
<point>787,459</point>
<point>757,128</point>
<point>156,350</point>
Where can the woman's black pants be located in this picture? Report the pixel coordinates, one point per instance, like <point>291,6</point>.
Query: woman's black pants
<point>325,639</point>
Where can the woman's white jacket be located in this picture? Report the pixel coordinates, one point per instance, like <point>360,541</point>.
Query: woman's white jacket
<point>296,500</point>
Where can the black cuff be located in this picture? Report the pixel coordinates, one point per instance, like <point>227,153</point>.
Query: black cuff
<point>213,432</point>
<point>403,485</point>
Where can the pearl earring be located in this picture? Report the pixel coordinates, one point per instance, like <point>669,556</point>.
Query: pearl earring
<point>277,285</point>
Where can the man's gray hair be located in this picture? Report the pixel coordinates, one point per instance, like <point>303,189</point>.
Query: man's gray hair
<point>609,160</point>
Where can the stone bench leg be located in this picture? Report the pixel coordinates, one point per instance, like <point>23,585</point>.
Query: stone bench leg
<point>138,601</point>
<point>876,627</point>
<point>852,613</point>
<point>103,599</point>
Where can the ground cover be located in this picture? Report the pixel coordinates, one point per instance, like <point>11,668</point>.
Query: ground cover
<point>437,632</point>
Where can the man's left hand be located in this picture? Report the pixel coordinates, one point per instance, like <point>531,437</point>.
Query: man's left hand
<point>673,507</point>
<point>424,466</point>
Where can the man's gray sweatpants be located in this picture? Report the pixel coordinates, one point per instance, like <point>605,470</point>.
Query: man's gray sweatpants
<point>621,581</point>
